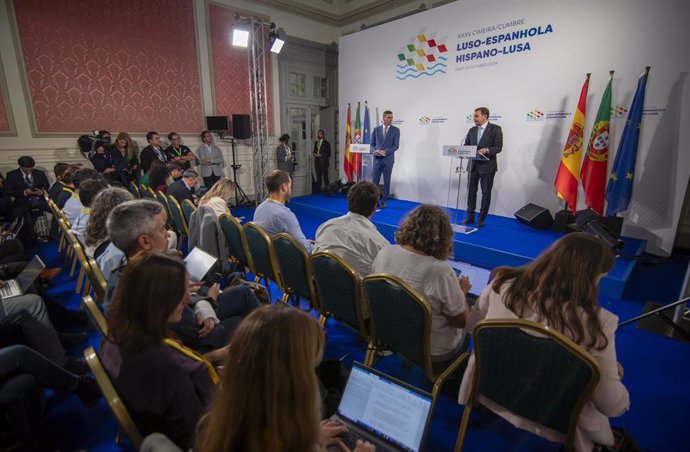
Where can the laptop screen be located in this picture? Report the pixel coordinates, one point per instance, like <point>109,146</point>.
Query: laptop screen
<point>30,273</point>
<point>479,277</point>
<point>198,262</point>
<point>394,412</point>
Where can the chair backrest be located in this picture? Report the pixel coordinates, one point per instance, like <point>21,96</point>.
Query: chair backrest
<point>339,289</point>
<point>148,193</point>
<point>96,316</point>
<point>546,378</point>
<point>178,216</point>
<point>188,209</point>
<point>400,319</point>
<point>97,279</point>
<point>237,242</point>
<point>134,189</point>
<point>163,200</point>
<point>295,268</point>
<point>115,403</point>
<point>262,252</point>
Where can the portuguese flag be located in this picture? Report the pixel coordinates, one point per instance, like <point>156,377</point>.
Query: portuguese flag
<point>569,169</point>
<point>348,139</point>
<point>357,158</point>
<point>595,165</point>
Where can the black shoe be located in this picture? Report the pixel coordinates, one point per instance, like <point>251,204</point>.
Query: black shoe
<point>481,221</point>
<point>381,204</point>
<point>469,220</point>
<point>71,339</point>
<point>88,391</point>
<point>77,366</point>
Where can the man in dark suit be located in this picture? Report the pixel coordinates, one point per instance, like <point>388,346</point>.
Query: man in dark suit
<point>322,152</point>
<point>152,152</point>
<point>385,140</point>
<point>27,186</point>
<point>184,188</point>
<point>489,141</point>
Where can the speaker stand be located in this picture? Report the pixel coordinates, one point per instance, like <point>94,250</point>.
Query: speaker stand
<point>241,198</point>
<point>461,228</point>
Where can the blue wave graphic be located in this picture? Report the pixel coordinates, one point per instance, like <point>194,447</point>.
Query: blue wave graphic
<point>406,71</point>
<point>421,73</point>
<point>435,66</point>
<point>443,58</point>
<point>401,66</point>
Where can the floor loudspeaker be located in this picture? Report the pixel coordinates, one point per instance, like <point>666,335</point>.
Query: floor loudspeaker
<point>240,127</point>
<point>535,216</point>
<point>562,219</point>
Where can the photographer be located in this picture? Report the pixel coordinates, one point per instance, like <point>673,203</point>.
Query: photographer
<point>27,186</point>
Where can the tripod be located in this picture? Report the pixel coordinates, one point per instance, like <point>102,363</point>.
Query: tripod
<point>241,198</point>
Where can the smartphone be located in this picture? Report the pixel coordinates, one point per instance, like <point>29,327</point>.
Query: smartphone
<point>214,278</point>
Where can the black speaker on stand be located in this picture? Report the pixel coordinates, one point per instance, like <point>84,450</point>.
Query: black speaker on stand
<point>563,218</point>
<point>241,128</point>
<point>535,216</point>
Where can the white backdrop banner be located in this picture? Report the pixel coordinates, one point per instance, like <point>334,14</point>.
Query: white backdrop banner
<point>526,62</point>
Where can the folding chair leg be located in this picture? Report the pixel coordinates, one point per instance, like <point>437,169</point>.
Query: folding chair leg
<point>322,320</point>
<point>285,298</point>
<point>74,266</point>
<point>370,355</point>
<point>80,280</point>
<point>463,427</point>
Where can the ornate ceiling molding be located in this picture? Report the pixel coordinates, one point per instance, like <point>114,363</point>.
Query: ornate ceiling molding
<point>369,9</point>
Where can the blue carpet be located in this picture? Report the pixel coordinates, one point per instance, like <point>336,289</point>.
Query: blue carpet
<point>656,368</point>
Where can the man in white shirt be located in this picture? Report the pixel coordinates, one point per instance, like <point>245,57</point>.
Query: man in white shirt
<point>353,236</point>
<point>272,214</point>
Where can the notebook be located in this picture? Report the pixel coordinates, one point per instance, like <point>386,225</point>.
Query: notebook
<point>479,277</point>
<point>18,286</point>
<point>388,413</point>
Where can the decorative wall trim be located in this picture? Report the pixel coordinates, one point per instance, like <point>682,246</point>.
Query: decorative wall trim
<point>337,20</point>
<point>4,90</point>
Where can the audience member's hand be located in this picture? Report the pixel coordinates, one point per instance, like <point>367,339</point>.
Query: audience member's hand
<point>362,446</point>
<point>217,355</point>
<point>465,285</point>
<point>214,291</point>
<point>2,283</point>
<point>195,286</point>
<point>206,326</point>
<point>620,370</point>
<point>206,162</point>
<point>108,170</point>
<point>330,430</point>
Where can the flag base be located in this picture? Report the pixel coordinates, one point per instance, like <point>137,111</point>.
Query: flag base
<point>462,229</point>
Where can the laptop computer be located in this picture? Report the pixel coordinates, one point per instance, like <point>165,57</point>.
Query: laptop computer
<point>19,285</point>
<point>388,413</point>
<point>198,262</point>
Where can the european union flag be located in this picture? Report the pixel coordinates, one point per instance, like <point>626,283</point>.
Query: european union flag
<point>619,188</point>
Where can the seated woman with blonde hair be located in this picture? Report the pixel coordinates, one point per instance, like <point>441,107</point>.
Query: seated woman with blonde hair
<point>218,196</point>
<point>268,399</point>
<point>166,386</point>
<point>560,289</point>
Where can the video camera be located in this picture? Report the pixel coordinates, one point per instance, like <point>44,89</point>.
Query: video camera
<point>89,143</point>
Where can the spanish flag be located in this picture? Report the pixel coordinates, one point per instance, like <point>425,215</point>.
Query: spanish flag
<point>348,139</point>
<point>569,170</point>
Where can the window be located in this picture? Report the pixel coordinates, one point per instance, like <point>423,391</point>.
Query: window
<point>298,85</point>
<point>320,87</point>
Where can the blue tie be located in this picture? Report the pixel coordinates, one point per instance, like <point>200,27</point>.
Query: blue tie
<point>480,131</point>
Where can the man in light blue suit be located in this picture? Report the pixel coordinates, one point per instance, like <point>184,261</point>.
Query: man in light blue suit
<point>384,142</point>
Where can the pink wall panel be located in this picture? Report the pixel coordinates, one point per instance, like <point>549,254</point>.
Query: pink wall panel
<point>4,119</point>
<point>117,64</point>
<point>230,71</point>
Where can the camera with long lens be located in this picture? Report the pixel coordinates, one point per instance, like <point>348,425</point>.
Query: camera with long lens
<point>89,143</point>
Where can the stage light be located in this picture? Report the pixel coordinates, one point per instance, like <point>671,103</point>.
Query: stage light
<point>276,44</point>
<point>240,36</point>
<point>590,222</point>
<point>276,41</point>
